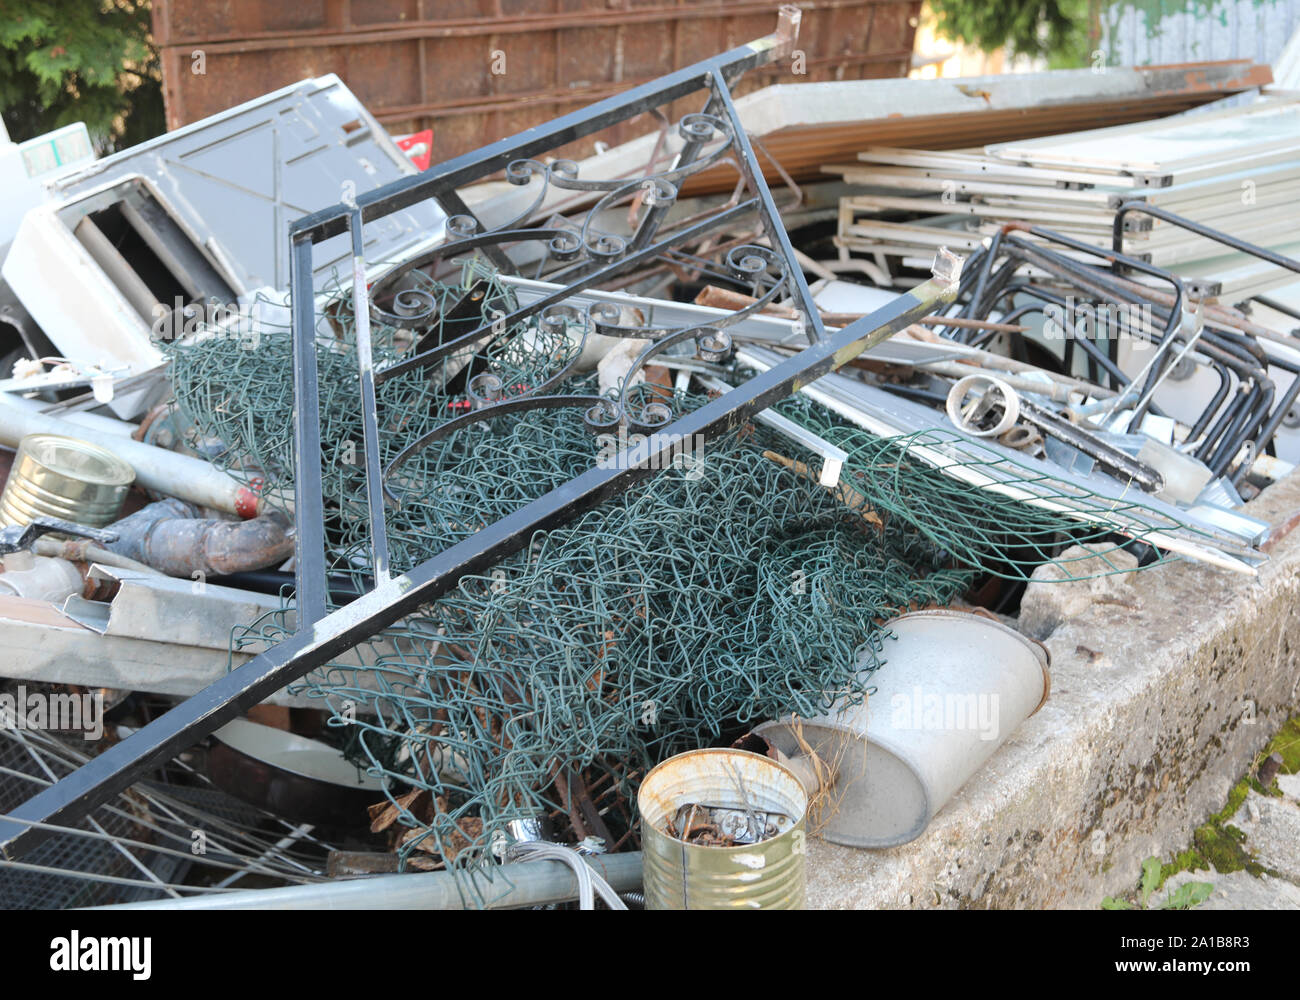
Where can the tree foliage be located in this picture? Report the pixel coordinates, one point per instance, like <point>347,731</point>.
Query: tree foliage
<point>1056,29</point>
<point>63,61</point>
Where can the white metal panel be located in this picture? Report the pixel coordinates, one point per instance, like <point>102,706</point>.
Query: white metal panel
<point>1163,146</point>
<point>71,297</point>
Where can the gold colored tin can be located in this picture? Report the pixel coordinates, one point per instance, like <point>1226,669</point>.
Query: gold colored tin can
<point>56,476</point>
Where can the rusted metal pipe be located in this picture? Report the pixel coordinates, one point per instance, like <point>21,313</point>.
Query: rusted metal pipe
<point>84,550</point>
<point>170,537</point>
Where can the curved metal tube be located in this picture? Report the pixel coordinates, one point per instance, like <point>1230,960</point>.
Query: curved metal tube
<point>169,537</point>
<point>515,405</point>
<point>1205,232</point>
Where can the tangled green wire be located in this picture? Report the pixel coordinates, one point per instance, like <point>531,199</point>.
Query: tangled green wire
<point>702,601</point>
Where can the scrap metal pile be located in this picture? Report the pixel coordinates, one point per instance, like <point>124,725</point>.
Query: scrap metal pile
<point>605,480</point>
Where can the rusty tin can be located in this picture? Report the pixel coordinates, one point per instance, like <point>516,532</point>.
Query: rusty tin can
<point>767,875</point>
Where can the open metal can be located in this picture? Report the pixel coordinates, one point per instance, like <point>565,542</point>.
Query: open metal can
<point>752,791</point>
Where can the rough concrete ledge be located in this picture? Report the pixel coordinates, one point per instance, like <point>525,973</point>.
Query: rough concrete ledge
<point>1160,699</point>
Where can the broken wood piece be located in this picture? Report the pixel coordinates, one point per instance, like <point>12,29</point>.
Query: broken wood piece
<point>846,494</point>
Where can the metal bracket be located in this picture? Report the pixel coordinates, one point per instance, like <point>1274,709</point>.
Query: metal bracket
<point>16,538</point>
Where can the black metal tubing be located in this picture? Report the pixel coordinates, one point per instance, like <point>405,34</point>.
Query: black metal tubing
<point>1270,426</point>
<point>1226,349</point>
<point>1221,347</point>
<point>1281,307</point>
<point>1043,256</point>
<point>1204,231</point>
<point>1239,431</point>
<point>990,291</point>
<point>1222,356</point>
<point>1220,394</point>
<point>992,288</point>
<point>1096,280</point>
<point>1253,422</point>
<point>1095,354</point>
<point>1225,420</point>
<point>1095,358</point>
<point>986,266</point>
<point>982,259</point>
<point>1238,420</point>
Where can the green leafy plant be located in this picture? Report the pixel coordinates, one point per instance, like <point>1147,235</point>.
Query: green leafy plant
<point>63,61</point>
<point>1184,897</point>
<point>1188,895</point>
<point>1057,29</point>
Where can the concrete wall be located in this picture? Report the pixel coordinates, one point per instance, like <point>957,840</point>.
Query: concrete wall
<point>1166,682</point>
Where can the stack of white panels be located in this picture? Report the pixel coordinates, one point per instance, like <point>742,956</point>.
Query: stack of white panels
<point>1236,170</point>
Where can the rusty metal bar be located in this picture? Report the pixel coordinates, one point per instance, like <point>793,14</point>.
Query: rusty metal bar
<point>391,31</point>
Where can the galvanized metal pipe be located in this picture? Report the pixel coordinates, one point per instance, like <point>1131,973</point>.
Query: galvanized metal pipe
<point>82,418</point>
<point>528,883</point>
<point>168,472</point>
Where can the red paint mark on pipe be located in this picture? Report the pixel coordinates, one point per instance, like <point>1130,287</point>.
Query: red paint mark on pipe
<point>247,503</point>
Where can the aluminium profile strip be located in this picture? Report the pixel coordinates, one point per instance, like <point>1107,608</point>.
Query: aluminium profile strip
<point>908,180</point>
<point>944,164</point>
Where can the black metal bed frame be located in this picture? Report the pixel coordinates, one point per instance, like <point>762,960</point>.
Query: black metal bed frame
<point>590,257</point>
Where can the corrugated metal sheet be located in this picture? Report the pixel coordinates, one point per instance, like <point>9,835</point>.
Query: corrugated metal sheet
<point>438,63</point>
<point>804,127</point>
<point>1154,32</point>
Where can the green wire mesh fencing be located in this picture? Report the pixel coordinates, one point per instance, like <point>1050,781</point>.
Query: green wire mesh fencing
<point>726,590</point>
<point>645,627</point>
<point>993,530</point>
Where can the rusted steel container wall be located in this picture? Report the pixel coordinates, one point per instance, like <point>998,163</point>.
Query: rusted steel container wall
<point>430,63</point>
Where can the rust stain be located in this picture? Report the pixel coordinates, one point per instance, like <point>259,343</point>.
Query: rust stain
<point>1280,531</point>
<point>436,70</point>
